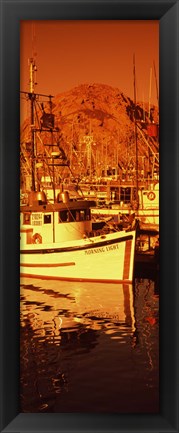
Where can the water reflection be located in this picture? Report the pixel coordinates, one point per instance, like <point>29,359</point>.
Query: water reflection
<point>86,347</point>
<point>146,311</point>
<point>75,308</point>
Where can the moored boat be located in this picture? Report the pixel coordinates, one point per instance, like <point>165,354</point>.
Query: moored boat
<point>57,242</point>
<point>123,206</point>
<point>56,238</point>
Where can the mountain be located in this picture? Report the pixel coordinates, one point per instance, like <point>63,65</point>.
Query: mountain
<point>95,125</point>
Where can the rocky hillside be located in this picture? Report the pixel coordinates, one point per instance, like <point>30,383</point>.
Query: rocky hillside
<point>94,125</point>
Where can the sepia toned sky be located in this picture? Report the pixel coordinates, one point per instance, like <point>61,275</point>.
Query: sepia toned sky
<point>69,53</point>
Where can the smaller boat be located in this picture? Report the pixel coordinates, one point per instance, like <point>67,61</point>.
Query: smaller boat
<point>121,209</point>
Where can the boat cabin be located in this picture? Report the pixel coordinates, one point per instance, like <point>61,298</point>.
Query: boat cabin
<point>125,196</point>
<point>65,220</point>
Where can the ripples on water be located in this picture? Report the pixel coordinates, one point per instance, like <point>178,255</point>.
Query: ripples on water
<point>89,347</point>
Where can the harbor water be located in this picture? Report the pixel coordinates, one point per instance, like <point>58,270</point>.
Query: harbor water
<point>88,347</point>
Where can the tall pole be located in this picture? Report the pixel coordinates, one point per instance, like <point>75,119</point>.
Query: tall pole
<point>150,89</point>
<point>135,129</point>
<point>156,84</point>
<point>32,100</point>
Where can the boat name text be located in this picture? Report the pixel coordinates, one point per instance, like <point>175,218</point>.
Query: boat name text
<point>102,249</point>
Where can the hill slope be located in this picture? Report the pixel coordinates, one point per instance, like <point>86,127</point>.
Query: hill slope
<point>96,128</point>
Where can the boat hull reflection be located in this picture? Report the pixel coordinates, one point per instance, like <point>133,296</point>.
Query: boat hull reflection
<point>89,347</point>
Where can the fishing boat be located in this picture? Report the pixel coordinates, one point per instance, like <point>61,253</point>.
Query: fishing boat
<point>56,242</point>
<point>56,238</point>
<point>120,204</point>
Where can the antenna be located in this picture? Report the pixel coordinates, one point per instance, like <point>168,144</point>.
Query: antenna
<point>32,73</point>
<point>34,53</point>
<point>31,62</point>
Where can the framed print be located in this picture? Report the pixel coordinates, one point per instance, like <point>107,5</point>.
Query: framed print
<point>77,353</point>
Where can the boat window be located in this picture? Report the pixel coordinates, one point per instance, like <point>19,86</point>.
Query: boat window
<point>134,195</point>
<point>82,215</point>
<point>88,214</point>
<point>114,193</point>
<point>47,219</point>
<point>125,195</point>
<point>77,215</point>
<point>63,216</point>
<point>26,218</point>
<point>74,215</point>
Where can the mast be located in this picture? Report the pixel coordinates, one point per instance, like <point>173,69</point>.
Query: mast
<point>32,97</point>
<point>156,84</point>
<point>44,124</point>
<point>150,89</point>
<point>135,130</point>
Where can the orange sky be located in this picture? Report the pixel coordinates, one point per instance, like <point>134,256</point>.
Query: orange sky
<point>69,53</point>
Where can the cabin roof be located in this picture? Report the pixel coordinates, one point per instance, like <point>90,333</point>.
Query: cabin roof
<point>56,207</point>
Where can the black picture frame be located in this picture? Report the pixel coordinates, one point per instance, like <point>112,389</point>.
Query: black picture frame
<point>12,11</point>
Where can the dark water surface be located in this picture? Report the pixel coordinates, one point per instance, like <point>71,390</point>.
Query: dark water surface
<point>88,347</point>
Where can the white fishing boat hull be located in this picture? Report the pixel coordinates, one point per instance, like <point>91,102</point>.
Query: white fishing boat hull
<point>107,258</point>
